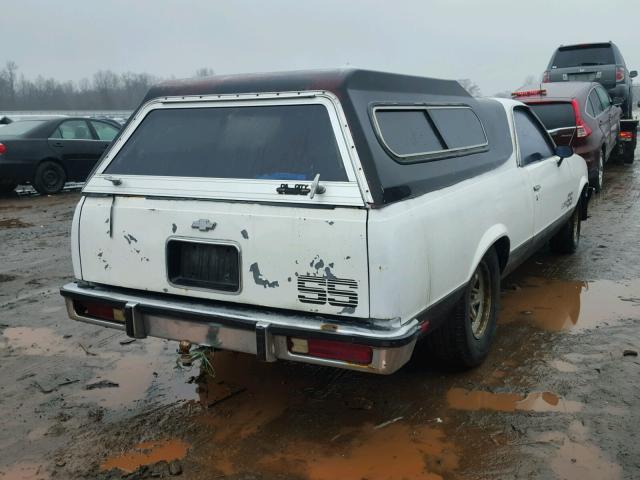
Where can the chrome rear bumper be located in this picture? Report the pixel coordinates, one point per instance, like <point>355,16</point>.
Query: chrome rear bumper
<point>241,328</point>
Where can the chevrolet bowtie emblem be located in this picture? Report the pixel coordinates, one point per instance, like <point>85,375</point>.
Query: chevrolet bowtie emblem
<point>203,225</point>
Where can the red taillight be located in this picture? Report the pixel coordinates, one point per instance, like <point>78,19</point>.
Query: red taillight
<point>529,93</point>
<point>582,129</point>
<point>332,350</point>
<point>3,148</point>
<point>100,311</point>
<point>545,76</point>
<point>619,74</point>
<point>626,136</point>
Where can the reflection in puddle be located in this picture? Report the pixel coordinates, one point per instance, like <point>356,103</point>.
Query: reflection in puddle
<point>562,305</point>
<point>147,453</point>
<point>137,374</point>
<point>462,399</point>
<point>564,367</point>
<point>37,341</point>
<point>576,458</point>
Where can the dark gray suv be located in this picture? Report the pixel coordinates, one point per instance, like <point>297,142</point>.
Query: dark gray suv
<point>594,62</point>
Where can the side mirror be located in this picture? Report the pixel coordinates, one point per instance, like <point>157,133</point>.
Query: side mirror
<point>564,151</point>
<point>633,73</point>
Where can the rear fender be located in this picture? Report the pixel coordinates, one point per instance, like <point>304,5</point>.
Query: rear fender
<point>491,236</point>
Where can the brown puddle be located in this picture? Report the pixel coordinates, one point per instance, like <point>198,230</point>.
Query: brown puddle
<point>38,341</point>
<point>136,373</point>
<point>147,453</point>
<point>557,305</point>
<point>576,458</point>
<point>472,400</point>
<point>398,451</point>
<point>24,471</point>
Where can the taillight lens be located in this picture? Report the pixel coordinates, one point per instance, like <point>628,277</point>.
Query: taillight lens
<point>3,148</point>
<point>582,129</point>
<point>332,350</point>
<point>626,136</point>
<point>619,74</point>
<point>545,76</point>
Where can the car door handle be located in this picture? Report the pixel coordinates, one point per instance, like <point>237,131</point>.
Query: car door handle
<point>536,188</point>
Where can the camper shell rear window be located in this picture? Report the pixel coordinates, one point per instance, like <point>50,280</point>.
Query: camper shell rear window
<point>421,133</point>
<point>283,142</point>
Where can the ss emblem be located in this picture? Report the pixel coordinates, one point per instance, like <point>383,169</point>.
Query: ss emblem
<point>338,292</point>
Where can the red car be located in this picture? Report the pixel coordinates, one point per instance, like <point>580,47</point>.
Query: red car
<point>580,114</point>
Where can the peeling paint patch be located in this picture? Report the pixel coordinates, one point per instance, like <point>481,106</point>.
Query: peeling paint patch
<point>174,227</point>
<point>130,238</point>
<point>347,257</point>
<point>245,235</point>
<point>289,279</point>
<point>331,265</point>
<point>319,264</point>
<point>347,310</point>
<point>330,222</point>
<point>258,277</point>
<point>329,274</point>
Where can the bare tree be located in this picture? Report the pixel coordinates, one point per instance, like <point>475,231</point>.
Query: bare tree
<point>204,72</point>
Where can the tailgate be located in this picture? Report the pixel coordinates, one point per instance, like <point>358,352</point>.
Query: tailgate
<point>306,259</point>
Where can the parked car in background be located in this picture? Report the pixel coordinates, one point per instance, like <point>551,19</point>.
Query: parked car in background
<point>327,217</point>
<point>594,62</point>
<point>49,152</point>
<point>579,114</point>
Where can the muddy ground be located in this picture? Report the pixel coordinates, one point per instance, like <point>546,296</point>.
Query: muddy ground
<point>557,398</point>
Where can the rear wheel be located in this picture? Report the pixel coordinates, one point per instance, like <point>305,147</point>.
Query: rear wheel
<point>598,178</point>
<point>629,153</point>
<point>568,238</point>
<point>465,338</point>
<point>50,177</point>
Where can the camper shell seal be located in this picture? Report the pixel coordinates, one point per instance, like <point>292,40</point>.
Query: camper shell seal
<point>361,92</point>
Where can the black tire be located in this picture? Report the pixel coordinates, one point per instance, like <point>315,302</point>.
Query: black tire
<point>50,178</point>
<point>456,342</point>
<point>629,153</point>
<point>597,180</point>
<point>568,237</point>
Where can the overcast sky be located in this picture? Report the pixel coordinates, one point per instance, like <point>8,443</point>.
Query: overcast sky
<point>496,43</point>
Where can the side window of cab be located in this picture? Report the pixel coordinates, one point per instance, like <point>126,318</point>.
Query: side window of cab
<point>534,144</point>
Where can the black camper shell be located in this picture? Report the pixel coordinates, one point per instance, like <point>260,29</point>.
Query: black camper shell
<point>363,95</point>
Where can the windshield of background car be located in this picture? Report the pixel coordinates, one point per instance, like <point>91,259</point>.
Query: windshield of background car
<point>287,142</point>
<point>20,127</point>
<point>583,56</point>
<point>554,115</point>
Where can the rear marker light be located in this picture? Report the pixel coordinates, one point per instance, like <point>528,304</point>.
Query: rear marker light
<point>100,311</point>
<point>3,148</point>
<point>332,350</point>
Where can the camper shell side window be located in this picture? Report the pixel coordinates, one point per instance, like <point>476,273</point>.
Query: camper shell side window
<point>420,133</point>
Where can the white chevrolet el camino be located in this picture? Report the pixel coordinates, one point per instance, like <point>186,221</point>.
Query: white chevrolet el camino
<point>328,217</point>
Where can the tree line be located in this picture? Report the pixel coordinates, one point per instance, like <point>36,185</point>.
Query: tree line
<point>105,90</point>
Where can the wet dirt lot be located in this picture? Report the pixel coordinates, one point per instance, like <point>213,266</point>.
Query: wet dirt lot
<point>557,398</point>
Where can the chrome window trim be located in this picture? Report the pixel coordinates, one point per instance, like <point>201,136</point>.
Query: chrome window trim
<point>346,145</point>
<point>211,241</point>
<point>426,156</point>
